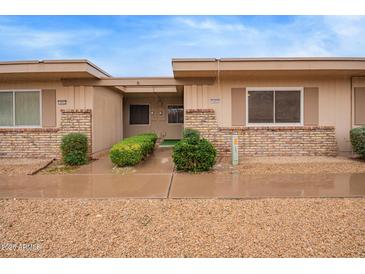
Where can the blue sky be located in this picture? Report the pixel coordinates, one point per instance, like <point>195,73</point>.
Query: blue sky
<point>144,45</point>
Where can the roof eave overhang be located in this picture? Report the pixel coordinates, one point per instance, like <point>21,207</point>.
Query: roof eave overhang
<point>211,67</point>
<point>138,82</point>
<point>51,69</point>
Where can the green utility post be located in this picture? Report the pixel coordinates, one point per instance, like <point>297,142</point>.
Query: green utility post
<point>234,149</point>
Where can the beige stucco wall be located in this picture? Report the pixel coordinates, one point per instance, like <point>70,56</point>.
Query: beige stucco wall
<point>76,97</point>
<point>334,99</point>
<point>158,124</point>
<point>107,118</point>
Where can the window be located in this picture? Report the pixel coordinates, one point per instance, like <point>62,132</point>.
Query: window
<point>175,114</point>
<point>260,106</point>
<point>274,106</point>
<point>139,114</point>
<point>6,109</point>
<point>20,108</point>
<point>359,103</point>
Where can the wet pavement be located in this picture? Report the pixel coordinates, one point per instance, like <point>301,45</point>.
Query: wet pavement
<point>85,186</point>
<point>159,162</point>
<point>155,178</point>
<point>150,179</point>
<point>235,185</point>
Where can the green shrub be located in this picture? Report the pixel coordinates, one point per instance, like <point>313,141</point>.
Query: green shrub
<point>132,150</point>
<point>194,154</point>
<point>74,148</point>
<point>126,154</point>
<point>357,137</point>
<point>191,133</point>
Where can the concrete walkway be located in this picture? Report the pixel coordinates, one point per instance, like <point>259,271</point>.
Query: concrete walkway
<point>155,178</point>
<point>235,185</point>
<point>150,179</point>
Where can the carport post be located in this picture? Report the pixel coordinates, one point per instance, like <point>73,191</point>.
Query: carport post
<point>234,149</point>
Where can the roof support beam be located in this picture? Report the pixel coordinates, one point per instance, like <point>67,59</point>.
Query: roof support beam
<point>135,82</point>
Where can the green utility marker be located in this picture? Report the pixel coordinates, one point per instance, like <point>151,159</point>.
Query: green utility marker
<point>234,149</point>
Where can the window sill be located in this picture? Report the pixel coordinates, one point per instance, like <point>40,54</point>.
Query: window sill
<point>275,128</point>
<point>29,129</point>
<point>139,125</point>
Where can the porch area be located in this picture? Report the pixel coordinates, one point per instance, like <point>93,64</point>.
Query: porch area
<point>161,110</point>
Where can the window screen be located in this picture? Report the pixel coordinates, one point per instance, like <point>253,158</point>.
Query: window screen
<point>260,106</point>
<point>359,105</point>
<point>274,106</point>
<point>6,108</point>
<point>27,108</point>
<point>287,106</point>
<point>175,114</point>
<point>139,114</point>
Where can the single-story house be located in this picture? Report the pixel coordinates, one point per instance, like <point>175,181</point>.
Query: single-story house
<point>276,106</point>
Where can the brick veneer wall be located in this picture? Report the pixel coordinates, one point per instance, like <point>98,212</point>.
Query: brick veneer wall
<point>44,142</point>
<point>264,141</point>
<point>79,120</point>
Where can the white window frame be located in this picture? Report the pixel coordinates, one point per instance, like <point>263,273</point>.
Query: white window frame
<point>167,113</point>
<point>274,124</point>
<point>129,114</point>
<point>13,91</point>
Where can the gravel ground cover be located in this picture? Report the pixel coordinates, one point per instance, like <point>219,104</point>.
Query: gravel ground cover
<point>183,228</point>
<point>303,165</point>
<point>21,166</point>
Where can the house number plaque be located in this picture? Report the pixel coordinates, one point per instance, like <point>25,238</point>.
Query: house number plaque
<point>62,102</point>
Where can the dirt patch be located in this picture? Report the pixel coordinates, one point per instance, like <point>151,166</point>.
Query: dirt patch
<point>22,166</point>
<point>291,165</point>
<point>183,228</point>
<point>123,170</point>
<point>58,167</point>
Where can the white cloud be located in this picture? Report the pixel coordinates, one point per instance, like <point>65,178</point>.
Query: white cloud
<point>55,43</point>
<point>345,25</point>
<point>145,46</point>
<point>210,25</point>
<point>302,36</point>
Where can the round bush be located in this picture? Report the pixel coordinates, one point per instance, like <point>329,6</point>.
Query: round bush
<point>74,147</point>
<point>126,154</point>
<point>191,133</point>
<point>194,155</point>
<point>357,137</point>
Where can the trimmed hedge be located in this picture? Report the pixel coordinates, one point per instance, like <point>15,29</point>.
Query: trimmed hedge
<point>194,154</point>
<point>132,150</point>
<point>357,137</point>
<point>74,147</point>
